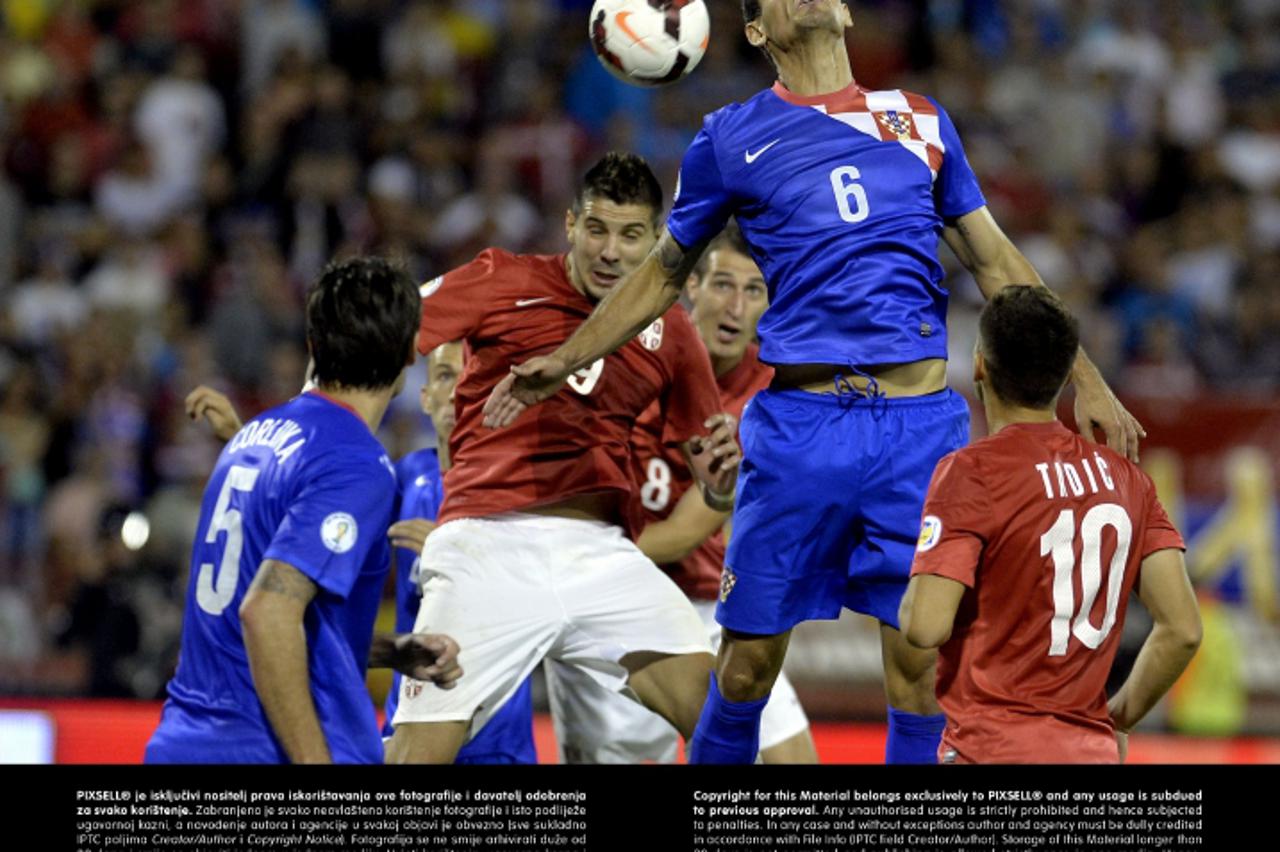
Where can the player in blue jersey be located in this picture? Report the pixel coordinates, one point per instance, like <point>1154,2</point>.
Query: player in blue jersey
<point>508,737</point>
<point>842,194</point>
<point>290,555</point>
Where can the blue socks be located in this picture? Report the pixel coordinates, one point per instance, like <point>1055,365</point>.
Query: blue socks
<point>912,738</point>
<point>728,732</point>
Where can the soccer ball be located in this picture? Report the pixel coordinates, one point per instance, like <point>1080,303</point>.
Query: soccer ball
<point>649,42</point>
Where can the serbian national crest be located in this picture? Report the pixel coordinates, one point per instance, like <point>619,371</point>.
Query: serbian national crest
<point>727,581</point>
<point>651,337</point>
<point>897,123</point>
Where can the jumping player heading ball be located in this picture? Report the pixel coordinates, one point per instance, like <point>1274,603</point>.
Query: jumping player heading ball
<point>842,194</point>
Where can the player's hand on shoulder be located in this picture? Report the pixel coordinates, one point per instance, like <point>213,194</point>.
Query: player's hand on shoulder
<point>1097,407</point>
<point>217,409</point>
<point>527,384</point>
<point>429,657</point>
<point>411,533</point>
<point>715,457</point>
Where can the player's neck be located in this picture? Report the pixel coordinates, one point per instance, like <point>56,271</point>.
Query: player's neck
<point>442,452</point>
<point>814,67</point>
<point>369,406</point>
<point>1001,414</point>
<point>723,365</point>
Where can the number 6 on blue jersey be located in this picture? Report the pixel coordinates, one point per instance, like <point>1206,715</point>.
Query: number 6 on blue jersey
<point>844,182</point>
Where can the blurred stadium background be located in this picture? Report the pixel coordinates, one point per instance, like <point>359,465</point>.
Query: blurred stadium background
<point>174,173</point>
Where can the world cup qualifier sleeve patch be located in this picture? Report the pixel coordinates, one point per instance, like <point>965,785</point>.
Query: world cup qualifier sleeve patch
<point>930,533</point>
<point>339,532</point>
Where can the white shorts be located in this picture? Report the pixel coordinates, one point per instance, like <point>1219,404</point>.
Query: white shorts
<point>515,588</point>
<point>595,725</point>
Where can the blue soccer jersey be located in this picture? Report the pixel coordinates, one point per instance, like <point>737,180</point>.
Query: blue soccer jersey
<point>842,199</point>
<point>420,495</point>
<point>508,736</point>
<point>309,485</point>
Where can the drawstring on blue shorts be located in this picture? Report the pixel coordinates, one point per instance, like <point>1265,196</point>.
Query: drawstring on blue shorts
<point>850,394</point>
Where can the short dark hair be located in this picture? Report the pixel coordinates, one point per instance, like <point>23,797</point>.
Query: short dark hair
<point>623,179</point>
<point>730,238</point>
<point>1029,341</point>
<point>362,314</point>
<point>751,10</point>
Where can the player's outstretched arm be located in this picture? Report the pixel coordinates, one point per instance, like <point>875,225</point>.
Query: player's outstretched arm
<point>215,407</point>
<point>690,523</point>
<point>714,459</point>
<point>988,253</point>
<point>276,642</point>
<point>429,657</point>
<point>1166,592</point>
<point>928,610</point>
<point>633,304</point>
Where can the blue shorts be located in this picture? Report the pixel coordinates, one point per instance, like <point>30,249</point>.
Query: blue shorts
<point>828,505</point>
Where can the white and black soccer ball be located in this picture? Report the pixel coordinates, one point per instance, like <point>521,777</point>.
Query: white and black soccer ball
<point>649,42</point>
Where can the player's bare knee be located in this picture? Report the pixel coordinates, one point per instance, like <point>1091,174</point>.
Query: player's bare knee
<point>747,672</point>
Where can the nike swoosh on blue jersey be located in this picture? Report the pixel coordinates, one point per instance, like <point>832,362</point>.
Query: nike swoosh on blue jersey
<point>751,158</point>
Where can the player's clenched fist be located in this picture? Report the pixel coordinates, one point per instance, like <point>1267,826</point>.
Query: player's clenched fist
<point>428,656</point>
<point>715,459</point>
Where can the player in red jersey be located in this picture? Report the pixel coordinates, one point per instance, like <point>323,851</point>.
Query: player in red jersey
<point>1031,541</point>
<point>532,557</point>
<point>728,294</point>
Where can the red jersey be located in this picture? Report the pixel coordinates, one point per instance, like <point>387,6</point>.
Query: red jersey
<point>1048,532</point>
<point>508,308</point>
<point>662,476</point>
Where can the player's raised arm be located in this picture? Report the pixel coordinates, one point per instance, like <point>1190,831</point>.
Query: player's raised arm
<point>276,643</point>
<point>713,460</point>
<point>217,409</point>
<point>995,262</point>
<point>633,304</point>
<point>988,253</point>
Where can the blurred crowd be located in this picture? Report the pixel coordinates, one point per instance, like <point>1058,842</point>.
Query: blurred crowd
<point>176,171</point>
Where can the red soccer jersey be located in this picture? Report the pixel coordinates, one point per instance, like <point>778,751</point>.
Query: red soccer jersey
<point>508,308</point>
<point>1048,532</point>
<point>662,476</point>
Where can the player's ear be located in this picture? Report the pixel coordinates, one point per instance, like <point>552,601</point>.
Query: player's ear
<point>413,350</point>
<point>755,33</point>
<point>979,366</point>
<point>569,221</point>
<point>691,288</point>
